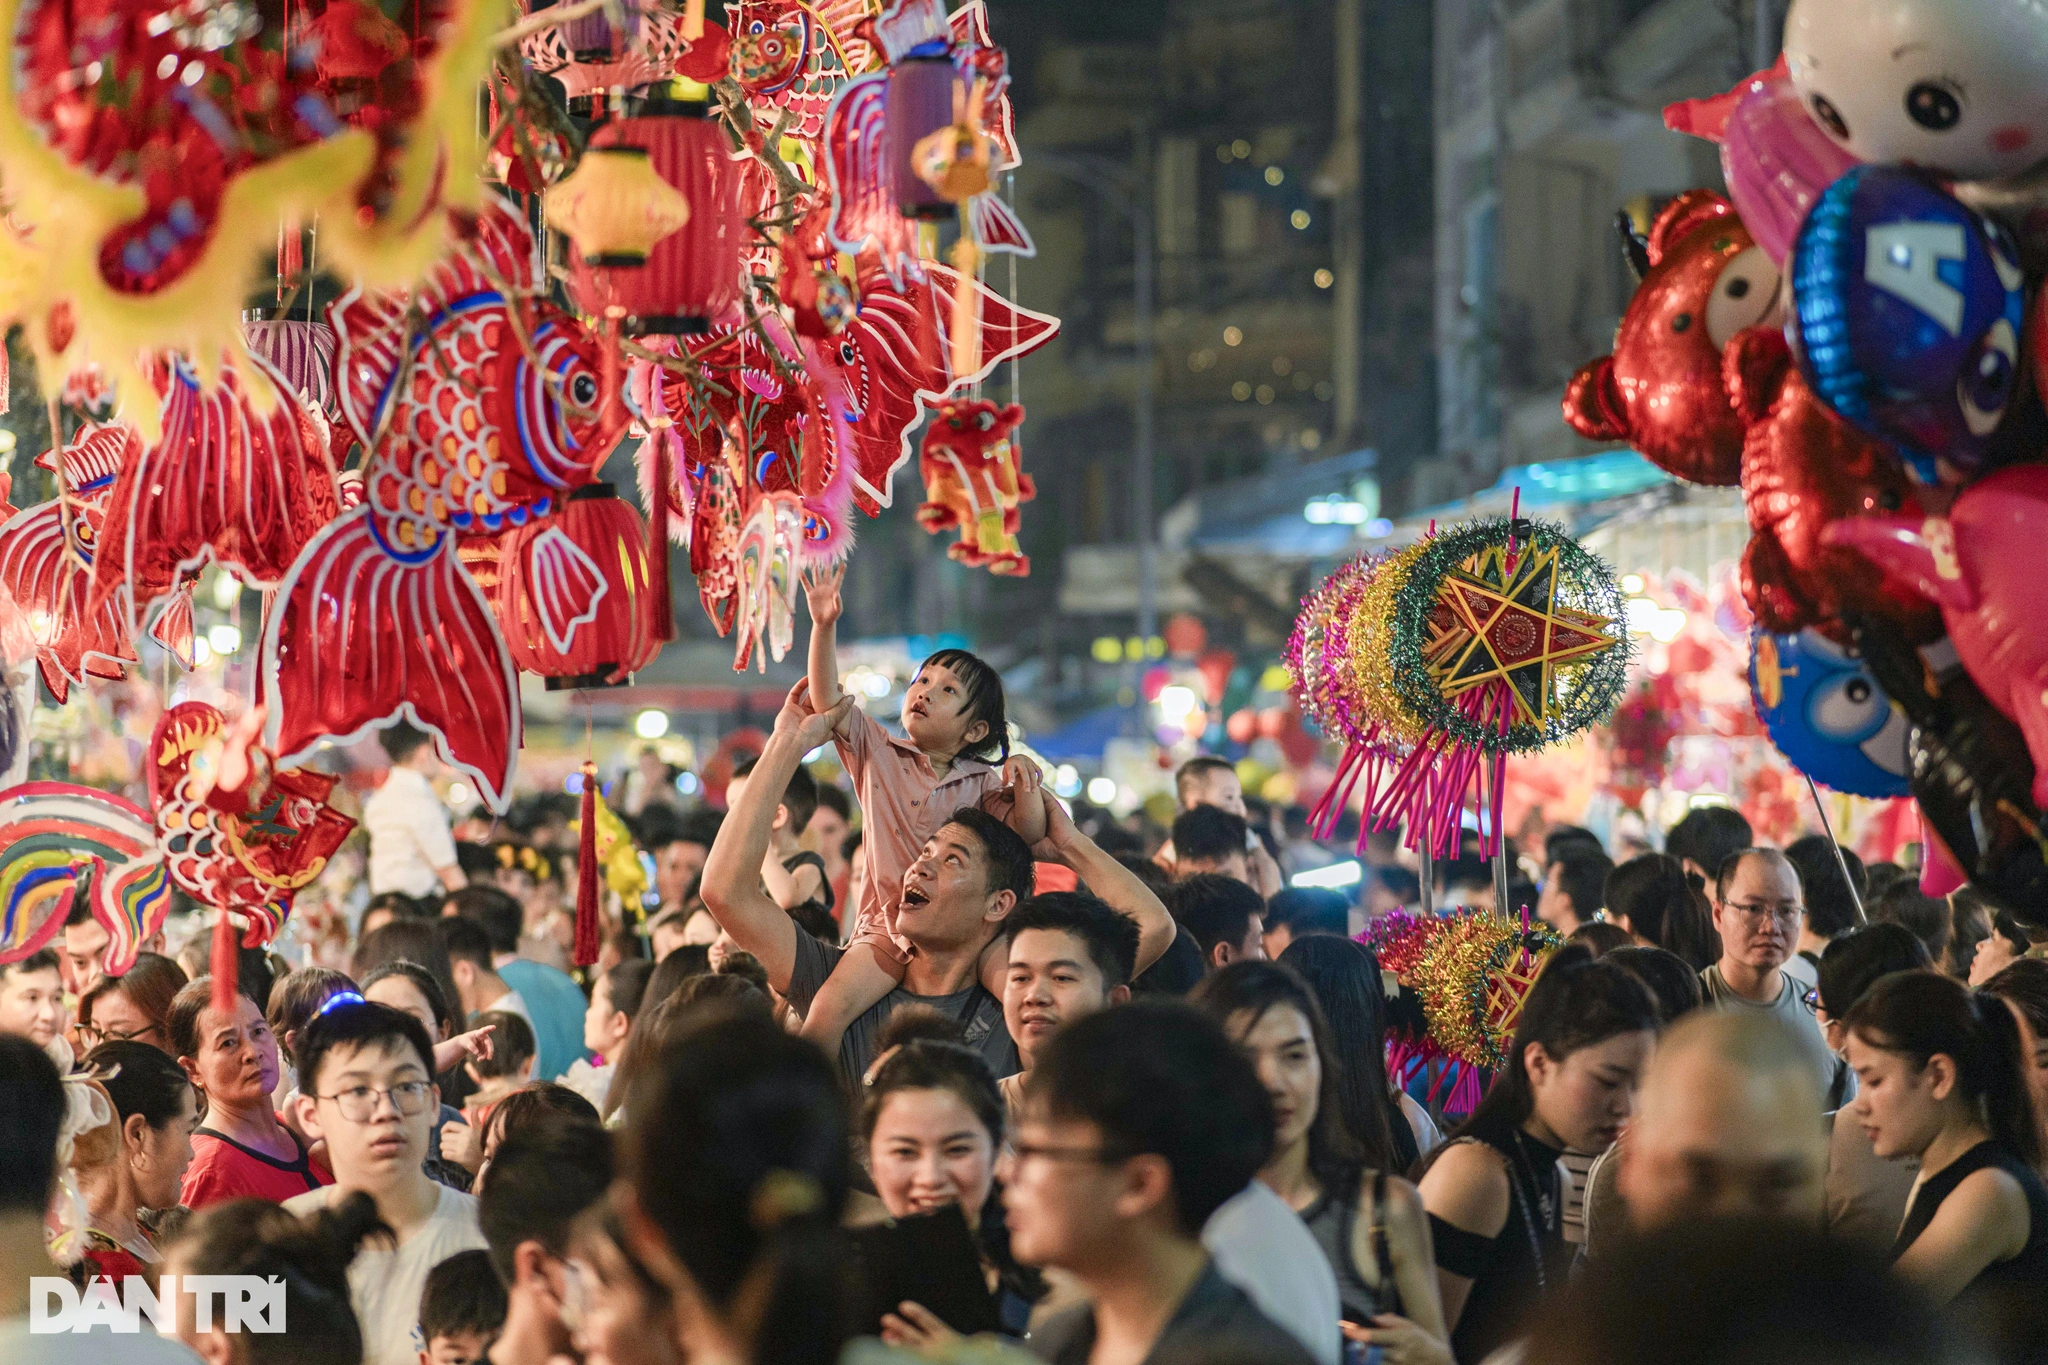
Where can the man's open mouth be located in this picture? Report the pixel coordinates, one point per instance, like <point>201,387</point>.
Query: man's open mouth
<point>915,896</point>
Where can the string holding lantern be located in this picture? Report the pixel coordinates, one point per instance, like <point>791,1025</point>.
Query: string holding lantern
<point>574,593</point>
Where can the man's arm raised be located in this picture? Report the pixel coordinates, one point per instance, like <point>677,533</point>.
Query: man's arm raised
<point>732,873</point>
<point>1107,878</point>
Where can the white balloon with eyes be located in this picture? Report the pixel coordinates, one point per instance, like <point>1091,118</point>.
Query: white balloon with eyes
<point>1956,86</point>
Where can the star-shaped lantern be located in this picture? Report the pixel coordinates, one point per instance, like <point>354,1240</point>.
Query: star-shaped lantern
<point>1518,632</point>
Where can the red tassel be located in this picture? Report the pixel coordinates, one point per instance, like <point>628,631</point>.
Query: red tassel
<point>660,606</point>
<point>291,255</point>
<point>226,964</point>
<point>586,872</point>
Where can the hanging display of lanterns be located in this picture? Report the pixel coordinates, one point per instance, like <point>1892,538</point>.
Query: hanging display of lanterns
<point>594,550</point>
<point>614,207</point>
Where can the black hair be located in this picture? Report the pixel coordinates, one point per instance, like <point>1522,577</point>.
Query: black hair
<point>359,1024</point>
<point>1970,923</point>
<point>1156,878</point>
<point>1581,873</point>
<point>1004,852</point>
<point>1706,836</point>
<point>834,800</point>
<point>419,941</point>
<point>1215,909</point>
<point>310,1255</point>
<point>496,911</point>
<point>464,940</point>
<point>140,1079</point>
<point>918,1024</point>
<point>2012,931</point>
<point>79,913</point>
<point>688,960</point>
<point>1919,1014</point>
<point>1599,937</point>
<point>2024,986</point>
<point>1310,910</point>
<point>1879,878</point>
<point>1830,906</point>
<point>1925,917</point>
<point>463,1296</point>
<point>984,702</point>
<point>398,903</point>
<point>1159,1077</point>
<point>738,1149</point>
<point>1253,989</point>
<point>181,1021</point>
<point>1561,837</point>
<point>422,981</point>
<point>628,983</point>
<point>542,1177</point>
<point>297,998</point>
<point>799,795</point>
<point>700,826</point>
<point>1208,834</point>
<point>1853,963</point>
<point>41,960</point>
<point>1664,905</point>
<point>512,1044</point>
<point>31,1116</point>
<point>1576,1003</point>
<point>401,741</point>
<point>1673,982</point>
<point>1345,976</point>
<point>533,1103</point>
<point>1196,771</point>
<point>813,918</point>
<point>1109,935</point>
<point>150,984</point>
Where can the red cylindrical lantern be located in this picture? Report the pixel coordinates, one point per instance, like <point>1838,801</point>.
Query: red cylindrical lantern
<point>917,103</point>
<point>692,276</point>
<point>543,584</point>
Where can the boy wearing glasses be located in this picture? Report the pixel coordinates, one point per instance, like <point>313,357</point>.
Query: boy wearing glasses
<point>366,1085</point>
<point>1758,910</point>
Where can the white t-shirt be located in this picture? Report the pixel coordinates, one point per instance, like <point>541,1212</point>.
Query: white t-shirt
<point>409,838</point>
<point>384,1284</point>
<point>591,1082</point>
<point>1260,1244</point>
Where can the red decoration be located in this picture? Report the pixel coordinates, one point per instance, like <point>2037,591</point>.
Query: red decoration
<point>587,927</point>
<point>574,593</point>
<point>973,482</point>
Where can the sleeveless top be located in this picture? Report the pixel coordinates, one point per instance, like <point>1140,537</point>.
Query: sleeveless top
<point>2005,1295</point>
<point>1332,1220</point>
<point>1529,1259</point>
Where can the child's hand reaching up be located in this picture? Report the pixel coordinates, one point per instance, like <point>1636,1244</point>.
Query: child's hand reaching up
<point>821,590</point>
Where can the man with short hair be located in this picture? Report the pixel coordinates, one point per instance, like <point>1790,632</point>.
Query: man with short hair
<point>554,1003</point>
<point>476,980</point>
<point>679,859</point>
<point>965,881</point>
<point>1208,840</point>
<point>1572,887</point>
<point>1830,901</point>
<point>1207,780</point>
<point>1225,915</point>
<point>1140,1122</point>
<point>84,964</point>
<point>32,997</point>
<point>1706,838</point>
<point>1070,955</point>
<point>542,1177</point>
<point>1758,913</point>
<point>411,849</point>
<point>366,1088</point>
<point>1303,912</point>
<point>1724,1128</point>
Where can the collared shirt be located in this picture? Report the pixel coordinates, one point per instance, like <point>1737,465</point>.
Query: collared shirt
<point>1215,1312</point>
<point>409,838</point>
<point>903,803</point>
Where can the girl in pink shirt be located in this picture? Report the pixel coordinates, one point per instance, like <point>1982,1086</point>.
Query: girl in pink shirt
<point>907,788</point>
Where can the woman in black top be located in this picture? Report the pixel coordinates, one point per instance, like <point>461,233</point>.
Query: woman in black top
<point>1941,1077</point>
<point>1494,1190</point>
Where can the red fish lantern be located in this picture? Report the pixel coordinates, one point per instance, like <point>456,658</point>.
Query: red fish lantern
<point>575,593</point>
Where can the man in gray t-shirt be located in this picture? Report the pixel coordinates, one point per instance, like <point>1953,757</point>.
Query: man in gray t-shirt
<point>1758,914</point>
<point>979,1013</point>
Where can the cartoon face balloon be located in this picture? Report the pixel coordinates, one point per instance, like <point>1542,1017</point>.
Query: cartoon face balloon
<point>1826,713</point>
<point>1956,86</point>
<point>1907,313</point>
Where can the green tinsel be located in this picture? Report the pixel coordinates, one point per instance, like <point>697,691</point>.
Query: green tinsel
<point>1585,692</point>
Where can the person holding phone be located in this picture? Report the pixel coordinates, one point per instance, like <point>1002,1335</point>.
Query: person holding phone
<point>933,1123</point>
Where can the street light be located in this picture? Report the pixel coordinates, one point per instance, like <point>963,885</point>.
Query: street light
<point>1119,188</point>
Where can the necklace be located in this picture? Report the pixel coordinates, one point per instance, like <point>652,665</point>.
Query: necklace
<point>1537,1186</point>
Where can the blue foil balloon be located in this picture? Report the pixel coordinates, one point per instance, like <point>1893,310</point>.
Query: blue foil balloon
<point>1907,315</point>
<point>1826,713</point>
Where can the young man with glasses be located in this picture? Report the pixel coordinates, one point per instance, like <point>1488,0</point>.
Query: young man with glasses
<point>1139,1122</point>
<point>366,1085</point>
<point>1758,911</point>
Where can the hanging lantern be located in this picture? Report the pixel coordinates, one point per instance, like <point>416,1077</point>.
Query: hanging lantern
<point>692,276</point>
<point>614,207</point>
<point>918,103</point>
<point>593,37</point>
<point>574,591</point>
<point>589,74</point>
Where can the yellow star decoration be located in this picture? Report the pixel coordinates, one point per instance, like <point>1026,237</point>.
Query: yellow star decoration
<point>1515,630</point>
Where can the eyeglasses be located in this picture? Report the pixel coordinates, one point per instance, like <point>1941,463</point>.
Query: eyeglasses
<point>340,998</point>
<point>112,1035</point>
<point>1811,999</point>
<point>358,1103</point>
<point>1785,912</point>
<point>1100,1156</point>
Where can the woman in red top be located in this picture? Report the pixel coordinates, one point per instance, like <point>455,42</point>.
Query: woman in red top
<point>243,1150</point>
<point>139,1162</point>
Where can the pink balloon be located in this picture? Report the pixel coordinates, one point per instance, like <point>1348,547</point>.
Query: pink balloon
<point>1777,161</point>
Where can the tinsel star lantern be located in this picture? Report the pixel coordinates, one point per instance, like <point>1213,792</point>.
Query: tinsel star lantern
<point>615,207</point>
<point>576,593</point>
<point>1474,977</point>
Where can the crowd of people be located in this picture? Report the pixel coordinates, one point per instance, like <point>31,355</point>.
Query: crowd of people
<point>934,1065</point>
